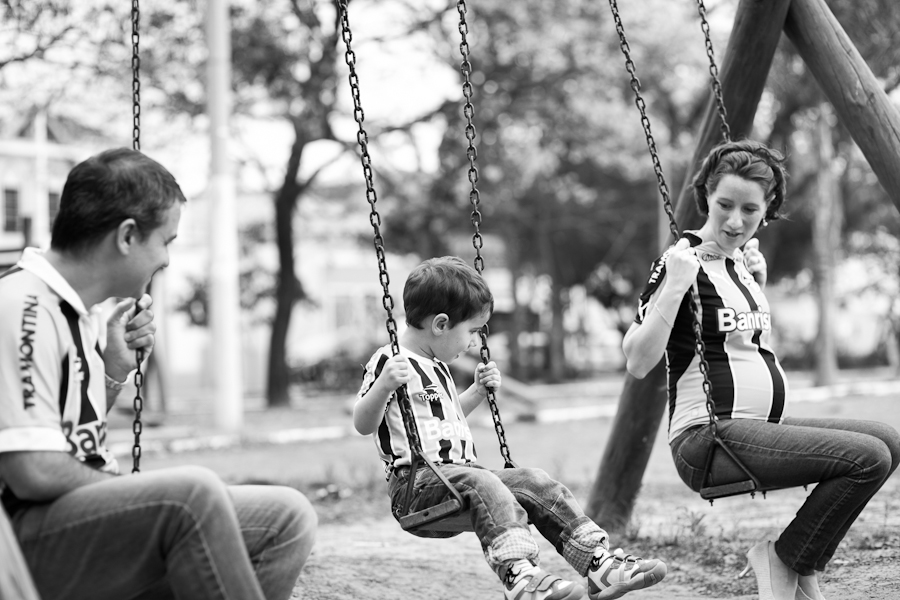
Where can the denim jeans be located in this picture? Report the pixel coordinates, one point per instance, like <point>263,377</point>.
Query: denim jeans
<point>173,533</point>
<point>849,460</point>
<point>501,504</point>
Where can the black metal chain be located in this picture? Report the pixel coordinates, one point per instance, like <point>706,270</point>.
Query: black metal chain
<point>714,73</point>
<point>465,68</point>
<point>137,427</point>
<point>387,300</point>
<point>696,310</point>
<point>136,74</point>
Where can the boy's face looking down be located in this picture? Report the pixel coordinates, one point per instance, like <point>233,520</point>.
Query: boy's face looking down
<point>451,341</point>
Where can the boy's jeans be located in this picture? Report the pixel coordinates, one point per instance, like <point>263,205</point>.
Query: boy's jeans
<point>173,533</point>
<point>848,459</point>
<point>502,503</point>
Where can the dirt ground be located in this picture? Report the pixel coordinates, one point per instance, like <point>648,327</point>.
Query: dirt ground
<point>362,553</point>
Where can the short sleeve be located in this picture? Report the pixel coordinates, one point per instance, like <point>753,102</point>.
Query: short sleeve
<point>657,274</point>
<point>372,371</point>
<point>31,366</point>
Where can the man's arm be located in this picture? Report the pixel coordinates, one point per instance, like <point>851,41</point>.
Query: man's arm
<point>44,476</point>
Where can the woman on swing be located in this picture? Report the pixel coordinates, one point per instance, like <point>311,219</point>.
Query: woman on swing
<point>739,188</point>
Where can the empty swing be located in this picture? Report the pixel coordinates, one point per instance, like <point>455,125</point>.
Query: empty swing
<point>452,515</point>
<point>709,489</point>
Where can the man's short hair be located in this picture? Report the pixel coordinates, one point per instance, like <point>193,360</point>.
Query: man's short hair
<point>445,285</point>
<point>108,188</point>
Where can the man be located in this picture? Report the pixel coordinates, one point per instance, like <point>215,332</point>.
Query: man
<point>85,531</point>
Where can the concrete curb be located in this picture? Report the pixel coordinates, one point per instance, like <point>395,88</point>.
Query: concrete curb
<point>605,408</point>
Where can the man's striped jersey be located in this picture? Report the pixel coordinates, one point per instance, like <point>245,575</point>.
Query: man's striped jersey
<point>747,380</point>
<point>52,389</point>
<point>443,431</point>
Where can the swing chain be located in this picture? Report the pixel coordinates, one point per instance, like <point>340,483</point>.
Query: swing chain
<point>645,120</point>
<point>465,68</point>
<point>387,300</point>
<point>137,426</point>
<point>667,204</point>
<point>136,73</point>
<point>714,73</point>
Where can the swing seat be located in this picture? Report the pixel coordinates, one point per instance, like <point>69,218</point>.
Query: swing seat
<point>451,516</point>
<point>725,490</point>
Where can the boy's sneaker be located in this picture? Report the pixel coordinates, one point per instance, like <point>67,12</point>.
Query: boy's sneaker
<point>524,581</point>
<point>614,575</point>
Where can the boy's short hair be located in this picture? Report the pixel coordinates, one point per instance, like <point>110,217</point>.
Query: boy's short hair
<point>445,285</point>
<point>108,188</point>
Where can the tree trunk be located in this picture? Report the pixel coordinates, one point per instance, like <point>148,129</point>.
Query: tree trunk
<point>858,98</point>
<point>827,220</point>
<point>557,341</point>
<point>754,38</point>
<point>287,288</point>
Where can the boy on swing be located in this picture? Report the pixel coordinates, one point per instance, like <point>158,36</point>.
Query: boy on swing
<point>447,303</point>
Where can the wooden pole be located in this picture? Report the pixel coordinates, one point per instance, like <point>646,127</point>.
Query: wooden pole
<point>751,47</point>
<point>15,579</point>
<point>858,98</point>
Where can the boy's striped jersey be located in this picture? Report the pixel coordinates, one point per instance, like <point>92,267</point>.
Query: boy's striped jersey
<point>747,380</point>
<point>443,431</point>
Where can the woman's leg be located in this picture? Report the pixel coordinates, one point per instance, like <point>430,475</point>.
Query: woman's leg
<point>848,466</point>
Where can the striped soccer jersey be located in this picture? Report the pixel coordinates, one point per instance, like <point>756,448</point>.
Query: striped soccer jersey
<point>52,389</point>
<point>443,432</point>
<point>747,380</point>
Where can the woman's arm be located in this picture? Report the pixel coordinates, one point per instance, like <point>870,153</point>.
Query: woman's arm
<point>645,343</point>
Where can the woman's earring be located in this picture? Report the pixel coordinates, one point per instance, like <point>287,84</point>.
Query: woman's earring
<point>764,222</point>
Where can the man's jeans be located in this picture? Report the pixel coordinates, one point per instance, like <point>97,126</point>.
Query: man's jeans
<point>173,533</point>
<point>849,460</point>
<point>503,502</point>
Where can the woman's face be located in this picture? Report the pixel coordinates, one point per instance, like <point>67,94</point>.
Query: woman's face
<point>736,208</point>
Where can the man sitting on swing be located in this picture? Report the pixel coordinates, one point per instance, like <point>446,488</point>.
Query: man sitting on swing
<point>447,304</point>
<point>85,532</point>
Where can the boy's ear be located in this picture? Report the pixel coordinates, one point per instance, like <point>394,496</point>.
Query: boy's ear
<point>440,323</point>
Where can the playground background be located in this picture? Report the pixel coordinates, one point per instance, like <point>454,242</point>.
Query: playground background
<point>362,553</point>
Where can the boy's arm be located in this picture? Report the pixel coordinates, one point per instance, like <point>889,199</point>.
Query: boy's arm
<point>486,376</point>
<point>369,408</point>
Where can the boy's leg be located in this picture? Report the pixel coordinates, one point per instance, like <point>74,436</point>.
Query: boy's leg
<point>501,525</point>
<point>119,538</point>
<point>557,515</point>
<point>553,510</point>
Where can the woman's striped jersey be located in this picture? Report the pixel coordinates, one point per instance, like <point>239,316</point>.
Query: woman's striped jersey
<point>443,431</point>
<point>747,380</point>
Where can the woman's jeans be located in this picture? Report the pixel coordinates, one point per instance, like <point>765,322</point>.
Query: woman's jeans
<point>173,533</point>
<point>501,504</point>
<point>849,460</point>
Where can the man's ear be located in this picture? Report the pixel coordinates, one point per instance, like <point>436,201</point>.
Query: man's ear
<point>440,323</point>
<point>127,235</point>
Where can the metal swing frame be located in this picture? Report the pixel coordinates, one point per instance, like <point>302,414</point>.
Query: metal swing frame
<point>708,490</point>
<point>451,515</point>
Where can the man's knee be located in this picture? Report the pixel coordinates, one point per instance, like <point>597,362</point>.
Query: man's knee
<point>197,488</point>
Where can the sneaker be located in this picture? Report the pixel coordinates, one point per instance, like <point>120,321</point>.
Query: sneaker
<point>614,575</point>
<point>524,581</point>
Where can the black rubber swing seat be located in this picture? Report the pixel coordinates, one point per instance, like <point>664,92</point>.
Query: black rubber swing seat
<point>450,516</point>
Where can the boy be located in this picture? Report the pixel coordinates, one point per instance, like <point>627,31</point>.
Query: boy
<point>447,303</point>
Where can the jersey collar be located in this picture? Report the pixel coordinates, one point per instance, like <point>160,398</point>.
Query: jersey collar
<point>34,262</point>
<point>711,248</point>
